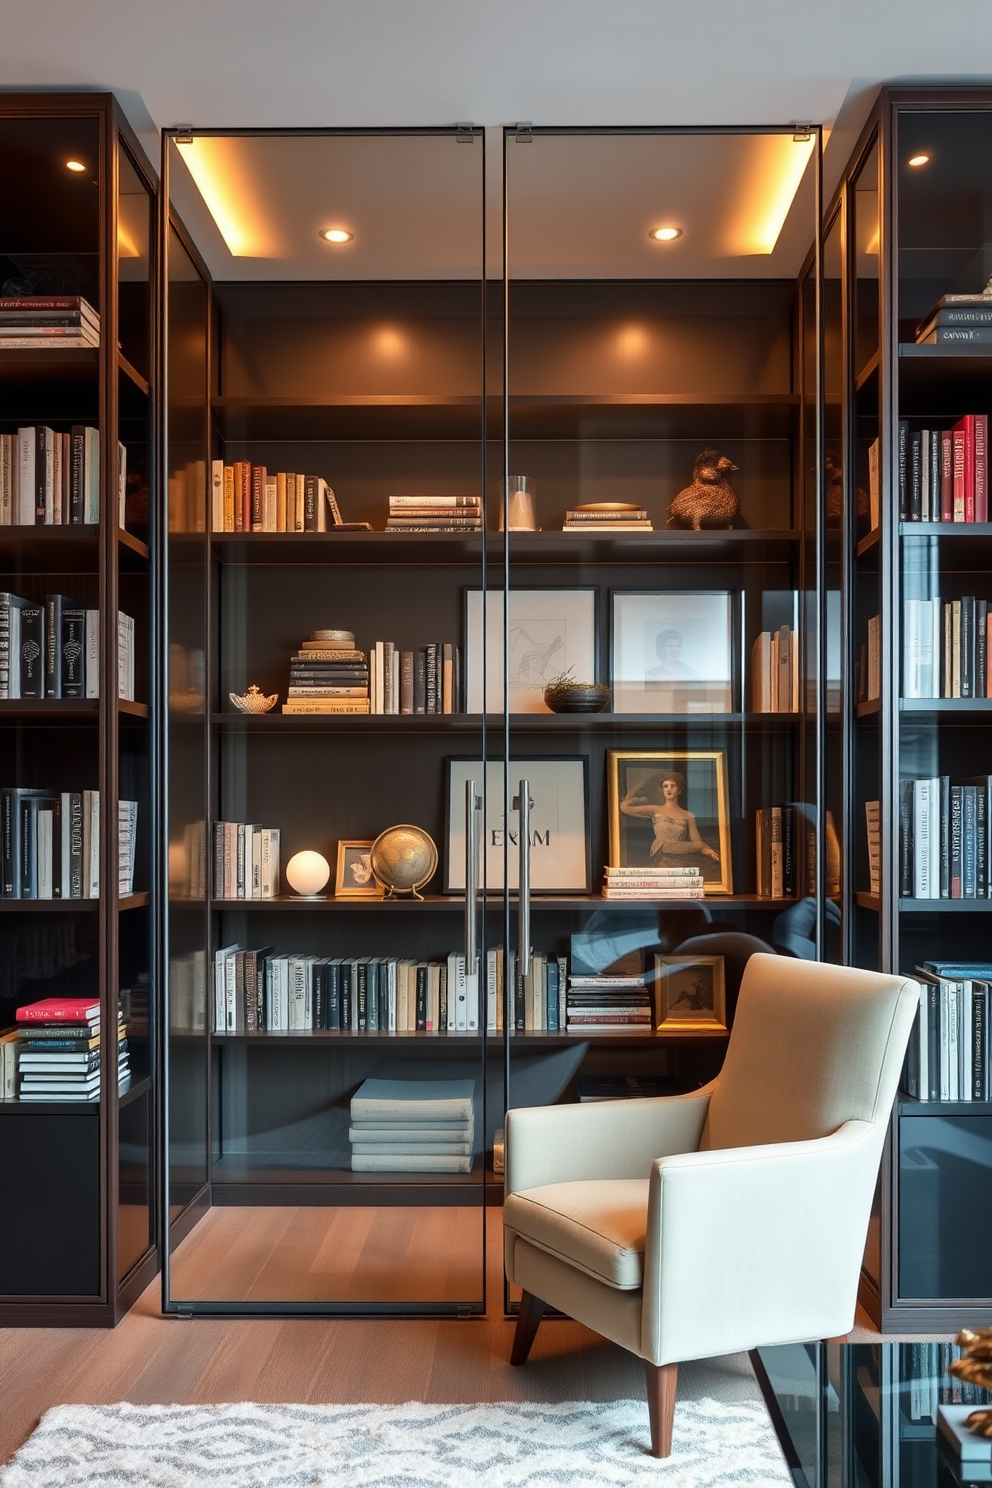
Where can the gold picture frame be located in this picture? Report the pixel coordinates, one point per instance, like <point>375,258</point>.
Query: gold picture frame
<point>350,881</point>
<point>689,830</point>
<point>691,995</point>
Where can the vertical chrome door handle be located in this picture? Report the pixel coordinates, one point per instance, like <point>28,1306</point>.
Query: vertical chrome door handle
<point>472,805</point>
<point>522,805</point>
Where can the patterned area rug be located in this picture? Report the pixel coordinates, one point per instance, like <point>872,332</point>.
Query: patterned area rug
<point>579,1444</point>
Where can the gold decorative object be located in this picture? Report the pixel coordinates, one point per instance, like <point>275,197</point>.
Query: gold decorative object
<point>403,859</point>
<point>976,1369</point>
<point>710,503</point>
<point>253,701</point>
<point>346,637</point>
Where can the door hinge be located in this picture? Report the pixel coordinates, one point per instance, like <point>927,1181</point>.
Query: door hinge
<point>183,134</point>
<point>184,1311</point>
<point>801,133</point>
<point>464,1311</point>
<point>525,132</point>
<point>465,133</point>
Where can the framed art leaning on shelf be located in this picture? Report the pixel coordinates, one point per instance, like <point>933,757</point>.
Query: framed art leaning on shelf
<point>671,809</point>
<point>672,653</point>
<point>549,631</point>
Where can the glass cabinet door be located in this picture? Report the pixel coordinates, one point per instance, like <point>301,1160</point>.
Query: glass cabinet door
<point>333,763</point>
<point>661,528</point>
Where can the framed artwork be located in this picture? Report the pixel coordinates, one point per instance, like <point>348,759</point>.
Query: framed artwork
<point>549,631</point>
<point>672,653</point>
<point>559,858</point>
<point>691,994</point>
<point>354,878</point>
<point>670,809</point>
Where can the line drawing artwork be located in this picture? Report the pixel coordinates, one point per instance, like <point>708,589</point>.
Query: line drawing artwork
<point>532,656</point>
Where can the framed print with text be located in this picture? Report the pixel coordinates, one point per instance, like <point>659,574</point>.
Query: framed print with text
<point>549,631</point>
<point>559,858</point>
<point>672,653</point>
<point>671,809</point>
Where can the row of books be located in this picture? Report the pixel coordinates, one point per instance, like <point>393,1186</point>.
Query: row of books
<point>652,883</point>
<point>925,1367</point>
<point>57,1051</point>
<point>945,849</point>
<point>775,671</point>
<point>52,649</point>
<point>258,990</point>
<point>948,1054</point>
<point>957,319</point>
<point>249,498</point>
<point>424,681</point>
<point>52,479</point>
<point>434,514</point>
<point>946,648</point>
<point>55,323</point>
<point>412,1126</point>
<point>50,844</point>
<point>785,850</point>
<point>246,860</point>
<point>943,473</point>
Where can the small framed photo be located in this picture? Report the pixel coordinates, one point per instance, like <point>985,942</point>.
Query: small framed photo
<point>559,837</point>
<point>671,809</point>
<point>691,994</point>
<point>549,631</point>
<point>354,878</point>
<point>673,653</point>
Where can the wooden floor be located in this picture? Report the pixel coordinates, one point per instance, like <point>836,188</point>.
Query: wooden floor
<point>149,1359</point>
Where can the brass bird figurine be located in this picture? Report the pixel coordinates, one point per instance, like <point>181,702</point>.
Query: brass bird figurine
<point>710,503</point>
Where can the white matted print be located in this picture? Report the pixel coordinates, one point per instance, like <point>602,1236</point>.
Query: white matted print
<point>559,855</point>
<point>549,631</point>
<point>672,653</point>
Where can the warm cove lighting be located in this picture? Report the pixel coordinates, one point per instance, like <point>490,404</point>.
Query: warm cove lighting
<point>223,178</point>
<point>920,159</point>
<point>335,235</point>
<point>75,165</point>
<point>769,181</point>
<point>665,234</point>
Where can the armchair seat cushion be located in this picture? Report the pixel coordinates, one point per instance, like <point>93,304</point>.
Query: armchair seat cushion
<point>597,1225</point>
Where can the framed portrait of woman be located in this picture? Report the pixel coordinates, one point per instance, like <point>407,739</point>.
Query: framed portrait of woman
<point>670,809</point>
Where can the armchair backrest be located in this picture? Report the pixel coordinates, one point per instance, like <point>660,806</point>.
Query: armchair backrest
<point>812,1046</point>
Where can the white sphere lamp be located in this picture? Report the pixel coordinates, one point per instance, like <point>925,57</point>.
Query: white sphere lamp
<point>307,872</point>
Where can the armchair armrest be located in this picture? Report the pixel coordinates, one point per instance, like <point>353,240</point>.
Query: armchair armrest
<point>757,1245</point>
<point>606,1139</point>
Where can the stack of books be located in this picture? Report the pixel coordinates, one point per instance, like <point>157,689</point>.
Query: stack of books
<point>607,516</point>
<point>652,883</point>
<point>413,1126</point>
<point>943,473</point>
<point>246,861</point>
<point>51,649</point>
<point>435,514</point>
<point>249,498</point>
<point>775,671</point>
<point>424,681</point>
<point>948,1054</point>
<point>50,843</point>
<point>946,648</point>
<point>33,322</point>
<point>609,1004</point>
<point>958,320</point>
<point>328,675</point>
<point>51,479</point>
<point>58,1050</point>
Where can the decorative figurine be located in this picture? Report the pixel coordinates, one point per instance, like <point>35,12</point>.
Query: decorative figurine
<point>253,701</point>
<point>976,1369</point>
<point>710,503</point>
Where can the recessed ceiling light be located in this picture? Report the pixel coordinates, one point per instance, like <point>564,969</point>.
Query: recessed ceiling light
<point>920,159</point>
<point>665,234</point>
<point>75,165</point>
<point>335,235</point>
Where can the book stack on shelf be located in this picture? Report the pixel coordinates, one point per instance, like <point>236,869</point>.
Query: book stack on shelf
<point>607,516</point>
<point>52,650</point>
<point>945,838</point>
<point>535,1002</point>
<point>434,514</point>
<point>609,1004</point>
<point>58,1050</point>
<point>948,1054</point>
<point>249,498</point>
<point>413,1126</point>
<point>246,861</point>
<point>50,843</point>
<point>775,671</point>
<point>868,664</point>
<point>958,320</point>
<point>780,833</point>
<point>328,675</point>
<point>50,479</point>
<point>943,473</point>
<point>49,323</point>
<point>946,648</point>
<point>424,681</point>
<point>652,883</point>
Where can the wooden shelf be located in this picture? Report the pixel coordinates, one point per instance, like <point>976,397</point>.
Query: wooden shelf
<point>456,903</point>
<point>133,375</point>
<point>869,709</point>
<point>973,706</point>
<point>459,723</point>
<point>61,711</point>
<point>946,529</point>
<point>126,541</point>
<point>75,1108</point>
<point>868,901</point>
<point>547,1039</point>
<point>69,906</point>
<point>868,371</point>
<point>868,543</point>
<point>54,365</point>
<point>945,906</point>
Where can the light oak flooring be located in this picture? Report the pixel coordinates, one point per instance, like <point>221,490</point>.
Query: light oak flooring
<point>150,1359</point>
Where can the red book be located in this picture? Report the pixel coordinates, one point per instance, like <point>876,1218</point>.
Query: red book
<point>59,1010</point>
<point>965,430</point>
<point>947,476</point>
<point>957,435</point>
<point>981,467</point>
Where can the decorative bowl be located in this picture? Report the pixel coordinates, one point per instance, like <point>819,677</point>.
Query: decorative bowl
<point>253,701</point>
<point>578,697</point>
<point>403,859</point>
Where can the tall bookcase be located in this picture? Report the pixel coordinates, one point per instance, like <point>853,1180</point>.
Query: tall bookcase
<point>78,1220</point>
<point>906,228</point>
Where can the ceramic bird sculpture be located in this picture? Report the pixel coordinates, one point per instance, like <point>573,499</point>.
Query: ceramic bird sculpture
<point>710,503</point>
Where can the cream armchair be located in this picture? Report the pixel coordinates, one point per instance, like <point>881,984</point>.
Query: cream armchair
<point>729,1218</point>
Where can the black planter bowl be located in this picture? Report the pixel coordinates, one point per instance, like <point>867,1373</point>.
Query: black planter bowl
<point>578,697</point>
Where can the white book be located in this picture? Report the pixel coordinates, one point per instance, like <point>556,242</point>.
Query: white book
<point>46,476</point>
<point>391,980</point>
<point>269,505</point>
<point>220,1000</point>
<point>923,1042</point>
<point>424,1164</point>
<point>45,859</point>
<point>91,844</point>
<point>65,845</point>
<point>14,650</point>
<point>953,1039</point>
<point>921,839</point>
<point>91,664</point>
<point>25,486</point>
<point>395,681</point>
<point>937,625</point>
<point>934,837</point>
<point>253,861</point>
<point>965,1081</point>
<point>380,679</point>
<point>761,673</point>
<point>492,984</point>
<point>216,496</point>
<point>57,449</point>
<point>911,649</point>
<point>91,475</point>
<point>460,994</point>
<point>231,991</point>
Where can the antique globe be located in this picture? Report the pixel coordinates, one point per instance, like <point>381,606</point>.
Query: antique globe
<point>403,859</point>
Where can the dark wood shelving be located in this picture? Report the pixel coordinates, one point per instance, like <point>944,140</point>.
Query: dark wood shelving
<point>868,710</point>
<point>907,1106</point>
<point>946,355</point>
<point>868,901</point>
<point>868,371</point>
<point>54,366</point>
<point>456,902</point>
<point>545,1038</point>
<point>945,906</point>
<point>443,723</point>
<point>127,541</point>
<point>945,529</point>
<point>868,543</point>
<point>69,906</point>
<point>61,711</point>
<point>133,375</point>
<point>76,1108</point>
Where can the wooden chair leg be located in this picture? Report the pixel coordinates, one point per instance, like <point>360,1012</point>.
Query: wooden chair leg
<point>661,1381</point>
<point>528,1319</point>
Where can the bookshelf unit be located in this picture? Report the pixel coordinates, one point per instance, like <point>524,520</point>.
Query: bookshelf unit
<point>78,1231</point>
<point>891,269</point>
<point>383,373</point>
